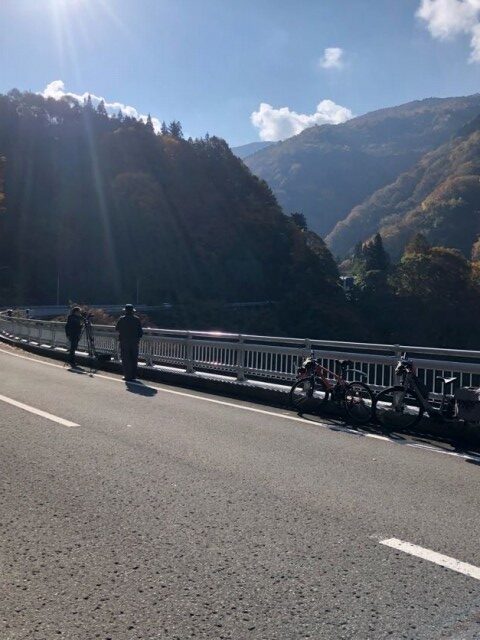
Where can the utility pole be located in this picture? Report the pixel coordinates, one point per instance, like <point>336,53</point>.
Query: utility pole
<point>58,288</point>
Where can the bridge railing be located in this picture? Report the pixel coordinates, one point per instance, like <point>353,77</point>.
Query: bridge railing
<point>264,358</point>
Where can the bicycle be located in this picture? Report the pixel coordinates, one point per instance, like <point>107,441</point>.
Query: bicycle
<point>403,405</point>
<point>313,389</point>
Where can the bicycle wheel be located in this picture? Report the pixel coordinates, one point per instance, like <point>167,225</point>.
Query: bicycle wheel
<point>308,394</point>
<point>397,408</point>
<point>358,402</point>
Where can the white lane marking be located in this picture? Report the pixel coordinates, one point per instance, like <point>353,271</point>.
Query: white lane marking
<point>285,416</point>
<point>432,556</point>
<point>17,355</point>
<point>185,394</point>
<point>38,412</point>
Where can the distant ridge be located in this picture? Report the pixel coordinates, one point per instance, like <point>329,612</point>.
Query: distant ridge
<point>325,171</point>
<point>438,197</point>
<point>245,150</point>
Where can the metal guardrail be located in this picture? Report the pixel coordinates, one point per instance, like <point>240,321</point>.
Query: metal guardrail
<point>272,359</point>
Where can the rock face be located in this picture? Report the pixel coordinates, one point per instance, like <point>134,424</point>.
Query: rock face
<point>326,171</point>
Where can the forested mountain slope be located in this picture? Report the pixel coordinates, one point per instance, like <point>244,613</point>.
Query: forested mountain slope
<point>245,150</point>
<point>439,197</point>
<point>104,203</point>
<point>327,170</point>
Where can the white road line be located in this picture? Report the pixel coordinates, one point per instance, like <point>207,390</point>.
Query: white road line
<point>38,412</point>
<point>432,556</point>
<point>285,416</point>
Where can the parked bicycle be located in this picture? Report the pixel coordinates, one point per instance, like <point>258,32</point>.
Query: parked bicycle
<point>403,405</point>
<point>316,385</point>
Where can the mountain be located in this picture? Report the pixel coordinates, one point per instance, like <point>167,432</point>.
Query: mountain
<point>438,197</point>
<point>325,171</point>
<point>104,204</point>
<point>249,149</point>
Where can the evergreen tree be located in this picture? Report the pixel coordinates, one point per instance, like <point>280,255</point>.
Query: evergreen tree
<point>101,110</point>
<point>88,103</point>
<point>120,115</point>
<point>376,258</point>
<point>300,220</point>
<point>175,129</point>
<point>149,124</point>
<point>164,129</point>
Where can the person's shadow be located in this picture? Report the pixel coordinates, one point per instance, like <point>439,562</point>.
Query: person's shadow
<point>140,389</point>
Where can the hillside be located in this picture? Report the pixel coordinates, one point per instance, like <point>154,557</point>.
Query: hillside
<point>325,171</point>
<point>245,150</point>
<point>439,197</point>
<point>104,204</point>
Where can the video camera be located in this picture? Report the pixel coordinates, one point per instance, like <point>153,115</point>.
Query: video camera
<point>87,317</point>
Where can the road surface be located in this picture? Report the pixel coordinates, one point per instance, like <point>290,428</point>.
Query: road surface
<point>146,512</point>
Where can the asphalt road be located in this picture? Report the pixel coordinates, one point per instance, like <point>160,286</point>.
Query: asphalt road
<point>174,514</point>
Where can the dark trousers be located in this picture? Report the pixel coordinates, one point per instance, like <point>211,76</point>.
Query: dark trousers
<point>73,347</point>
<point>129,353</point>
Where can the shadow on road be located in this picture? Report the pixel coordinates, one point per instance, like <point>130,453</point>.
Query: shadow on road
<point>405,437</point>
<point>81,372</point>
<point>140,389</point>
<point>474,462</point>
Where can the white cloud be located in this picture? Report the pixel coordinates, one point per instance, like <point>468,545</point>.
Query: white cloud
<point>332,58</point>
<point>56,90</point>
<point>279,124</point>
<point>449,18</point>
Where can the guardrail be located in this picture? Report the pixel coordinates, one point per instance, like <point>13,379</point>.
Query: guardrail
<point>271,359</point>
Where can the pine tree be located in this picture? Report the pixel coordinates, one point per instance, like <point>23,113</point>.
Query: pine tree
<point>88,103</point>
<point>101,110</point>
<point>376,258</point>
<point>149,124</point>
<point>164,129</point>
<point>120,115</point>
<point>300,220</point>
<point>175,129</point>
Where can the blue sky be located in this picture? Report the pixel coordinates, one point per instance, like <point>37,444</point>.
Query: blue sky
<point>212,63</point>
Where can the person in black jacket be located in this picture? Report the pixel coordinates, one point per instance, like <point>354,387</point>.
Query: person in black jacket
<point>73,330</point>
<point>129,332</point>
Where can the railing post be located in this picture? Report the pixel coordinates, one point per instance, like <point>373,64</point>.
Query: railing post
<point>148,352</point>
<point>306,352</point>
<point>240,359</point>
<point>189,354</point>
<point>398,354</point>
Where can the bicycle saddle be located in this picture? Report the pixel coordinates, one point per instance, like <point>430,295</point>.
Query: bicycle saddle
<point>446,380</point>
<point>345,363</point>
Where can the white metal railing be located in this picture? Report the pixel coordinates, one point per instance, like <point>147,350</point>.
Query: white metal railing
<point>273,359</point>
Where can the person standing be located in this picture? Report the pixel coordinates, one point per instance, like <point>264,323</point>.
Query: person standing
<point>129,333</point>
<point>73,331</point>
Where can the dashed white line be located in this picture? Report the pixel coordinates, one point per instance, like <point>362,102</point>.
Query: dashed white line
<point>285,416</point>
<point>432,556</point>
<point>38,412</point>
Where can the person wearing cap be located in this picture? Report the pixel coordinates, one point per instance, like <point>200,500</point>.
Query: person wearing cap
<point>129,331</point>
<point>73,331</point>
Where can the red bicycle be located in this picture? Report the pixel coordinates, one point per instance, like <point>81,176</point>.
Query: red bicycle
<point>316,385</point>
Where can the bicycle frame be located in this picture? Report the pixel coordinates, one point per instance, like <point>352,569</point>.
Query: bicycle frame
<point>322,372</point>
<point>409,384</point>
